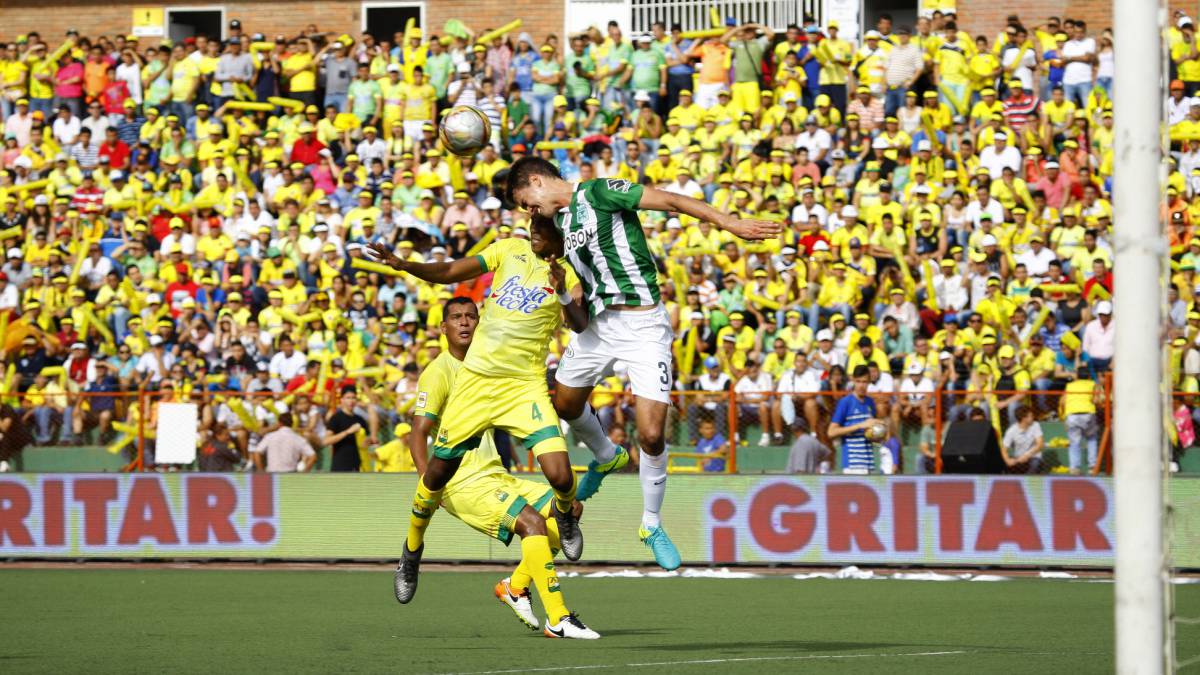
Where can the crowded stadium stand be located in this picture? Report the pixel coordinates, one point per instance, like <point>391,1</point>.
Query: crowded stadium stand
<point>188,221</point>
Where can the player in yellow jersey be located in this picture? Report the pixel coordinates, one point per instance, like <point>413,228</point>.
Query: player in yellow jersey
<point>486,497</point>
<point>503,380</point>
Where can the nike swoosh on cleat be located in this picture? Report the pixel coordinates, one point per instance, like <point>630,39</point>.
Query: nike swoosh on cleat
<point>557,633</point>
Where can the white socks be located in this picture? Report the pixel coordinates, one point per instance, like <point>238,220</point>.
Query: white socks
<point>587,429</point>
<point>653,473</point>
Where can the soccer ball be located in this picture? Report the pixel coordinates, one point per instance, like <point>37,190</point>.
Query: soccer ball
<point>876,432</point>
<point>465,130</point>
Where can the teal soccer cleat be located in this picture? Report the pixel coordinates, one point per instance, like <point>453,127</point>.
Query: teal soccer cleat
<point>665,553</point>
<point>590,483</point>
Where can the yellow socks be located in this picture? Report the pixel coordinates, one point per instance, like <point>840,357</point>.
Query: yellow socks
<point>537,562</point>
<point>520,579</point>
<point>425,502</point>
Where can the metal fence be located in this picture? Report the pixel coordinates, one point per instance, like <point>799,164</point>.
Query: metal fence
<point>708,432</point>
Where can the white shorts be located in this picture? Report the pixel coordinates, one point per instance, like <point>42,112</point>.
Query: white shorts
<point>640,340</point>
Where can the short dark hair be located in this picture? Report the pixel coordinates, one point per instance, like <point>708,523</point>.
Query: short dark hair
<point>459,300</point>
<point>525,168</point>
<point>861,370</point>
<point>285,419</point>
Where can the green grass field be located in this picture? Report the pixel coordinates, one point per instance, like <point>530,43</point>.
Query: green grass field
<point>234,621</point>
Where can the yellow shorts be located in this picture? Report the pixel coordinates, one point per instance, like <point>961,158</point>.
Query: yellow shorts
<point>746,96</point>
<point>492,503</point>
<point>480,402</point>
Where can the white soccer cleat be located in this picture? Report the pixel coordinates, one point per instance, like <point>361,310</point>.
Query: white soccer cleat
<point>570,627</point>
<point>518,603</point>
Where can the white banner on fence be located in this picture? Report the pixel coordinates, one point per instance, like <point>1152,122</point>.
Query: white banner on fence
<point>176,433</point>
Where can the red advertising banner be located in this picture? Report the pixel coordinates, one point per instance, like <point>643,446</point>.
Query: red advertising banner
<point>946,520</point>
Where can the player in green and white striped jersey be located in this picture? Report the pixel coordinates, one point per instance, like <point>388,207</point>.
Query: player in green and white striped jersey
<point>605,244</point>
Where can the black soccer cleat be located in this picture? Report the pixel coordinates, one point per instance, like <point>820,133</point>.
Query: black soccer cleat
<point>407,570</point>
<point>569,534</point>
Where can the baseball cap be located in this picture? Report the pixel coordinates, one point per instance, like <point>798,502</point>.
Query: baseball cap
<point>1104,307</point>
<point>824,335</point>
<point>915,368</point>
<point>711,362</point>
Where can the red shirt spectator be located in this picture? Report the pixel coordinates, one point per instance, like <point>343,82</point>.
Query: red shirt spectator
<point>114,96</point>
<point>87,197</point>
<point>307,149</point>
<point>115,150</point>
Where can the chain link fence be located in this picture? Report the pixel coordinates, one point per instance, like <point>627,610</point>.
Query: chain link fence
<point>52,427</point>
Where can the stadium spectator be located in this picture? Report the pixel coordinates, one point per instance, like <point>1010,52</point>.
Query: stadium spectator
<point>1022,445</point>
<point>285,450</point>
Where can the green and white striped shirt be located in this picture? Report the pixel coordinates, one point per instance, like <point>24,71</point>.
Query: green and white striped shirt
<point>604,242</point>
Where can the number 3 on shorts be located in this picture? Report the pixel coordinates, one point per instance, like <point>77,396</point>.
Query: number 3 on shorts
<point>666,375</point>
<point>536,414</point>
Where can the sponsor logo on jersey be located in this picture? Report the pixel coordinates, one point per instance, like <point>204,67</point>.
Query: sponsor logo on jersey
<point>513,296</point>
<point>421,399</point>
<point>618,185</point>
<point>580,238</point>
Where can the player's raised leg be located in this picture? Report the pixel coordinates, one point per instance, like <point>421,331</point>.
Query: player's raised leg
<point>572,405</point>
<point>425,501</point>
<point>651,418</point>
<point>523,409</point>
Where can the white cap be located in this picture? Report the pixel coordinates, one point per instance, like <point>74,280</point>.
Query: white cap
<point>787,250</point>
<point>915,368</point>
<point>393,67</point>
<point>697,315</point>
<point>320,227</point>
<point>873,34</point>
<point>437,249</point>
<point>78,345</point>
<point>645,38</point>
<point>464,67</point>
<point>880,143</point>
<point>848,211</point>
<point>922,190</point>
<point>490,203</point>
<point>520,232</point>
<point>945,355</point>
<point>987,240</point>
<point>824,334</point>
<point>821,245</point>
<point>1104,307</point>
<point>153,299</point>
<point>14,253</point>
<point>924,144</point>
<point>471,175</point>
<point>1051,164</point>
<point>642,96</point>
<point>674,224</point>
<point>117,175</point>
<point>155,340</point>
<point>1000,136</point>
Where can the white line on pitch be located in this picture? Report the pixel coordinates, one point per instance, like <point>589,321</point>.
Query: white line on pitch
<point>809,657</point>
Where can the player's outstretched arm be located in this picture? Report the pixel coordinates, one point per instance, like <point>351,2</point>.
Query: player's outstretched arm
<point>659,200</point>
<point>437,273</point>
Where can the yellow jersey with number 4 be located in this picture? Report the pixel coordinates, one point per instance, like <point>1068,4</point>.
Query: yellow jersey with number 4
<point>519,316</point>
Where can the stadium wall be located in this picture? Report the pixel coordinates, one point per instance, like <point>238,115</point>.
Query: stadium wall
<point>96,17</point>
<point>947,520</point>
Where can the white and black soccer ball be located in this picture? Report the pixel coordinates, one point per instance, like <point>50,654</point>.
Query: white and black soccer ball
<point>465,130</point>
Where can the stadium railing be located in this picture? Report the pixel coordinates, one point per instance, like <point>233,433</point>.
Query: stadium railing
<point>117,430</point>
